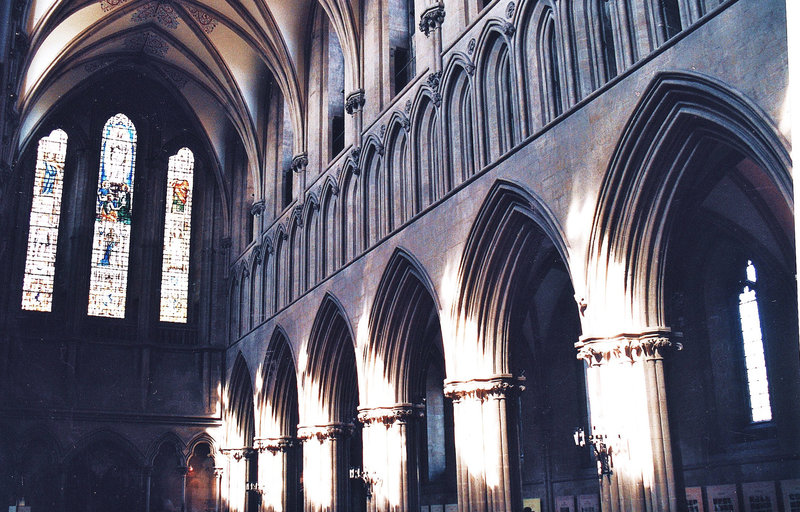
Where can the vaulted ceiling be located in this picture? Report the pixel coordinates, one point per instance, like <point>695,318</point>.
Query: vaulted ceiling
<point>217,53</point>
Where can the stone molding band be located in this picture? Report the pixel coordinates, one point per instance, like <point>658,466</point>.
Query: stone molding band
<point>646,346</point>
<point>323,432</point>
<point>275,444</point>
<point>498,387</point>
<point>399,413</point>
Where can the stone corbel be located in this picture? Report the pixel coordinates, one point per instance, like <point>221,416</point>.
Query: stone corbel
<point>431,18</point>
<point>300,162</point>
<point>501,386</point>
<point>257,208</point>
<point>354,102</point>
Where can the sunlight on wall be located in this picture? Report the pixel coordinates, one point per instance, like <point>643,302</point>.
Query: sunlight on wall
<point>618,392</point>
<point>318,473</point>
<point>271,479</point>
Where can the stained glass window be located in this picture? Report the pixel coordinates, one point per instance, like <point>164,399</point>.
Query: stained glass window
<point>757,383</point>
<point>177,235</point>
<point>40,263</point>
<point>112,226</point>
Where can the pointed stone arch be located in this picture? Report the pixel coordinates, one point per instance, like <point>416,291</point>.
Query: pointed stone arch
<point>280,451</point>
<point>404,306</point>
<point>328,410</point>
<point>636,206</point>
<point>513,234</point>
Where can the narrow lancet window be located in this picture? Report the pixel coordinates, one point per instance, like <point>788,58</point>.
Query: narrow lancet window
<point>40,263</point>
<point>177,236</point>
<point>757,383</point>
<point>112,226</point>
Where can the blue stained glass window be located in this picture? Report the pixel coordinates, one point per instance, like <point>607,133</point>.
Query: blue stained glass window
<point>40,263</point>
<point>113,215</point>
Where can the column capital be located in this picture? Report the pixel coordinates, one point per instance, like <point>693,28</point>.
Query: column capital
<point>274,445</point>
<point>627,347</point>
<point>398,413</point>
<point>324,432</point>
<point>238,453</point>
<point>354,102</point>
<point>431,18</point>
<point>497,387</point>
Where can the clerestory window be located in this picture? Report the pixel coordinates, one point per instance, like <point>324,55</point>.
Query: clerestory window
<point>112,225</point>
<point>45,216</point>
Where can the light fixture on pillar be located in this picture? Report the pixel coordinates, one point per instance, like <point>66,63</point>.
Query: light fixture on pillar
<point>601,449</point>
<point>366,478</point>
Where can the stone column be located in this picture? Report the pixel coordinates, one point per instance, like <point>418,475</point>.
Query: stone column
<point>354,105</point>
<point>218,471</point>
<point>389,458</point>
<point>325,467</point>
<point>148,473</point>
<point>430,22</point>
<point>299,166</point>
<point>183,470</point>
<point>275,467</point>
<point>257,211</point>
<point>237,478</point>
<point>487,463</point>
<point>628,404</point>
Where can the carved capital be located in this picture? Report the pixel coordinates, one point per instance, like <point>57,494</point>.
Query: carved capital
<point>324,432</point>
<point>354,102</point>
<point>300,162</point>
<point>431,18</point>
<point>400,413</point>
<point>626,347</point>
<point>257,208</point>
<point>275,445</point>
<point>433,81</point>
<point>498,387</point>
<point>237,454</point>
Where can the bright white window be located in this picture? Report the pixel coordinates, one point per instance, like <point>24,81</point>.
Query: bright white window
<point>757,383</point>
<point>40,264</point>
